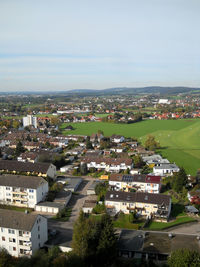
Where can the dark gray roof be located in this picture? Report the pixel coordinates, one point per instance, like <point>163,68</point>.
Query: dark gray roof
<point>131,240</point>
<point>158,243</point>
<point>14,165</point>
<point>72,183</point>
<point>141,197</point>
<point>17,220</point>
<point>32,182</point>
<point>50,204</point>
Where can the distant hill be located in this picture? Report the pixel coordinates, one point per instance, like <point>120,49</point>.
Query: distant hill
<point>135,90</point>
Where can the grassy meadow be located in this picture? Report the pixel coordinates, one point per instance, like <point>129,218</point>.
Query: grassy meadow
<point>179,139</point>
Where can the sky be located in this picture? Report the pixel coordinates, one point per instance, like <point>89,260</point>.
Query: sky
<point>74,44</point>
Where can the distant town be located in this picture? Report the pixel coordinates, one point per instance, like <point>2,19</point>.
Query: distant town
<point>63,193</point>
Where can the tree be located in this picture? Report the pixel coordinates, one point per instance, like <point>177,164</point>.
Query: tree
<point>5,258</point>
<point>179,180</point>
<point>89,145</point>
<point>83,169</point>
<point>184,258</point>
<point>100,132</point>
<point>101,190</point>
<point>28,138</point>
<point>106,249</point>
<point>94,241</point>
<point>80,236</point>
<point>138,162</point>
<point>15,124</point>
<point>19,148</point>
<point>151,143</point>
<point>55,120</point>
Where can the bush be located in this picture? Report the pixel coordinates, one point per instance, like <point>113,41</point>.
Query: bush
<point>98,209</point>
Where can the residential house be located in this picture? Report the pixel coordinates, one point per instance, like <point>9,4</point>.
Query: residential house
<point>22,234</point>
<point>23,191</point>
<point>108,164</point>
<point>39,169</point>
<point>165,169</point>
<point>145,204</point>
<point>117,138</point>
<point>154,160</point>
<point>140,183</point>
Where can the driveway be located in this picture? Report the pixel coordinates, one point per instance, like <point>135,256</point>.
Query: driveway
<point>189,228</point>
<point>76,203</point>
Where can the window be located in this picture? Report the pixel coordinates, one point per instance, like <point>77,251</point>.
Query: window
<point>31,197</point>
<point>31,190</point>
<point>12,240</point>
<point>7,188</point>
<point>3,238</point>
<point>10,231</point>
<point>38,236</point>
<point>14,248</point>
<point>38,228</point>
<point>2,229</point>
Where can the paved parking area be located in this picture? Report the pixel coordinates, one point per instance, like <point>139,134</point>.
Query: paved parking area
<point>76,203</point>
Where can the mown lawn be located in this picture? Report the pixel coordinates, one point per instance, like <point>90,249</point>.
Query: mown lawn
<point>162,225</point>
<point>22,209</point>
<point>179,139</point>
<point>124,222</point>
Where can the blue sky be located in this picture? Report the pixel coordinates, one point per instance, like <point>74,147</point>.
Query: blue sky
<point>70,44</point>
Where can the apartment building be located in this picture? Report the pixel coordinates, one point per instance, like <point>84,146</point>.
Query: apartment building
<point>108,164</point>
<point>30,120</point>
<point>138,182</point>
<point>22,191</point>
<point>22,234</point>
<point>145,204</point>
<point>18,167</point>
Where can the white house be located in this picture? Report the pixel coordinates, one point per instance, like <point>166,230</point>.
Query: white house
<point>117,138</point>
<point>145,204</point>
<point>165,169</point>
<point>22,234</point>
<point>23,191</point>
<point>140,183</point>
<point>108,164</point>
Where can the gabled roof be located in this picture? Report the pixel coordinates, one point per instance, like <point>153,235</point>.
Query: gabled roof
<point>32,182</point>
<point>17,220</point>
<point>13,165</point>
<point>118,196</point>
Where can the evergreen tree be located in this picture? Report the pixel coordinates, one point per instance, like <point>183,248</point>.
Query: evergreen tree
<point>80,236</point>
<point>184,258</point>
<point>107,243</point>
<point>19,149</point>
<point>179,180</point>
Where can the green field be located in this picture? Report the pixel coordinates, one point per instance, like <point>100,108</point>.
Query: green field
<point>179,139</point>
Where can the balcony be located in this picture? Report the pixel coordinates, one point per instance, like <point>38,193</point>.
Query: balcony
<point>19,192</point>
<point>17,197</point>
<point>130,208</point>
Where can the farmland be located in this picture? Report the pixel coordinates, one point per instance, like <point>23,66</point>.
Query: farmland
<point>179,139</point>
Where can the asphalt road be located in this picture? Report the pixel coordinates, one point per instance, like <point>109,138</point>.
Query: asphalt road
<point>76,203</point>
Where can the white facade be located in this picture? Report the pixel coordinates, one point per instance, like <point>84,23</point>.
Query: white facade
<point>30,120</point>
<point>139,186</point>
<point>23,197</point>
<point>165,169</point>
<point>19,242</point>
<point>51,172</point>
<point>109,167</point>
